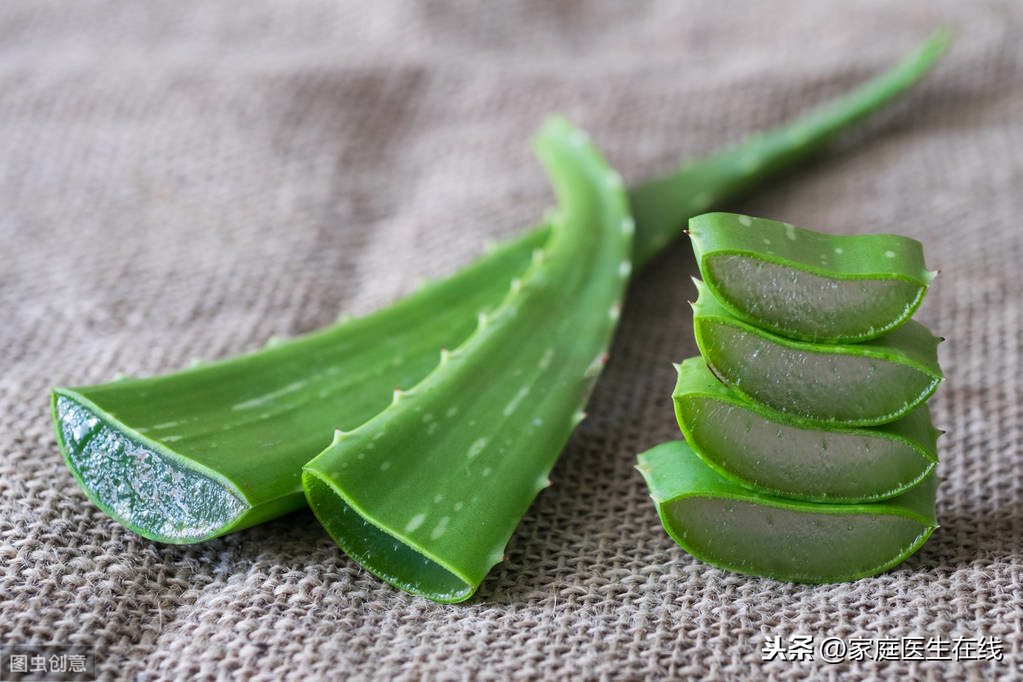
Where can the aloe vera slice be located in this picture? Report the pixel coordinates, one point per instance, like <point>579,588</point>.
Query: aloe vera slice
<point>860,384</point>
<point>426,494</point>
<point>808,285</point>
<point>170,459</point>
<point>728,526</point>
<point>761,450</point>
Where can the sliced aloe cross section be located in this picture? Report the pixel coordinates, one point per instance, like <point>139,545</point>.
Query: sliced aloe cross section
<point>857,384</point>
<point>726,525</point>
<point>808,285</point>
<point>426,494</point>
<point>762,450</point>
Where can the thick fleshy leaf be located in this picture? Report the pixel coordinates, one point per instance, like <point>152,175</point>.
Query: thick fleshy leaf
<point>765,451</point>
<point>854,384</point>
<point>726,525</point>
<point>808,285</point>
<point>426,494</point>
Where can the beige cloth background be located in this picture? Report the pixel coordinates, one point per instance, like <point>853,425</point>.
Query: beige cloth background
<point>186,179</point>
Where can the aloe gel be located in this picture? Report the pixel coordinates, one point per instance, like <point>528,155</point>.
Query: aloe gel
<point>764,451</point>
<point>857,384</point>
<point>809,285</point>
<point>731,527</point>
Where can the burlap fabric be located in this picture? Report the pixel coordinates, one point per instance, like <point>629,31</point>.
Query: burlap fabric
<point>185,180</point>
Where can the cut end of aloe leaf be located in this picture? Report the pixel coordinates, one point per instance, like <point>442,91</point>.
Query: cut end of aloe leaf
<point>387,556</point>
<point>838,384</point>
<point>733,528</point>
<point>809,285</point>
<point>427,493</point>
<point>791,545</point>
<point>138,482</point>
<point>763,451</point>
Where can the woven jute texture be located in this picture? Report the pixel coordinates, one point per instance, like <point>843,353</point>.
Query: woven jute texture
<point>182,180</point>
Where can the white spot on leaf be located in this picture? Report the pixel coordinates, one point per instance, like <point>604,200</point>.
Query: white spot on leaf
<point>514,403</point>
<point>415,522</point>
<point>440,528</point>
<point>268,397</point>
<point>477,447</point>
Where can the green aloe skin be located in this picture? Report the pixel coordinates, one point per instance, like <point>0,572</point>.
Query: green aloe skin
<point>771,274</point>
<point>191,455</point>
<point>194,454</point>
<point>696,188</point>
<point>766,452</point>
<point>856,384</point>
<point>731,527</point>
<point>467,449</point>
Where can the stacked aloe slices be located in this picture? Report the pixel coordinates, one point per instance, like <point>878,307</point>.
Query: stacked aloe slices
<point>809,450</point>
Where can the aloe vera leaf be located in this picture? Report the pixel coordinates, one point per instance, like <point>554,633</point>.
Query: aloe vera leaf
<point>808,285</point>
<point>133,470</point>
<point>458,459</point>
<point>761,450</point>
<point>856,384</point>
<point>728,526</point>
<point>194,454</point>
<point>659,204</point>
